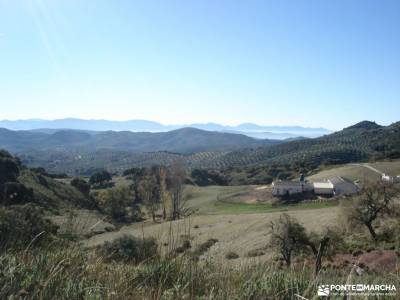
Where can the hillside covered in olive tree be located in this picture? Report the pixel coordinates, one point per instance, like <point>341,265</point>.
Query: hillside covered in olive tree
<point>80,152</point>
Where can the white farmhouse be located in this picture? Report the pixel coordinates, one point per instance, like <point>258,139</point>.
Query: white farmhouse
<point>336,186</point>
<point>282,188</point>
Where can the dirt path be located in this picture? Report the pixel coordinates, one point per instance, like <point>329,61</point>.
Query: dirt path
<point>369,167</point>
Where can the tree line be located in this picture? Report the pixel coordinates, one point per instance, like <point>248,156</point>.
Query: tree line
<point>159,189</point>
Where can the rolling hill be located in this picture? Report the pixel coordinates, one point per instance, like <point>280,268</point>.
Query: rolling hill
<point>360,142</point>
<point>185,140</point>
<point>201,149</point>
<point>30,186</point>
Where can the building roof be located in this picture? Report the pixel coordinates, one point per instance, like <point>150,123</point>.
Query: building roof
<point>287,183</point>
<point>323,185</point>
<point>336,180</point>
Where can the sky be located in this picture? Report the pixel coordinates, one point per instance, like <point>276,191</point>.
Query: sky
<point>312,63</point>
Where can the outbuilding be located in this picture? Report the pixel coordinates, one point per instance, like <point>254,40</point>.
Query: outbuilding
<point>390,179</point>
<point>323,188</point>
<point>343,187</point>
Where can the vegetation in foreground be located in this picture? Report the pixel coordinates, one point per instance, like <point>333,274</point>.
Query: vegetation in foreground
<point>39,262</point>
<point>64,270</point>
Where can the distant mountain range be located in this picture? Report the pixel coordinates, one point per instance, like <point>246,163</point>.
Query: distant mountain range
<point>249,129</point>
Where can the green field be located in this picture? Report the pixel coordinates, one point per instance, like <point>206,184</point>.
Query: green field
<point>217,200</point>
<point>242,208</point>
<point>359,172</point>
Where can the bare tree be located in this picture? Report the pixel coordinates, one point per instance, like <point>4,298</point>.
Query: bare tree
<point>374,201</point>
<point>164,193</point>
<point>148,190</point>
<point>177,179</point>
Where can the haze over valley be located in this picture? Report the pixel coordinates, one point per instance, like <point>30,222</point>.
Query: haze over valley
<point>249,129</point>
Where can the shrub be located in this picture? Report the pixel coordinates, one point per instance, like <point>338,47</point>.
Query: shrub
<point>129,249</point>
<point>19,225</point>
<point>231,255</point>
<point>255,252</point>
<point>185,246</point>
<point>81,185</point>
<point>203,248</point>
<point>118,203</point>
<point>9,167</point>
<point>358,253</point>
<point>100,179</point>
<point>16,193</point>
<point>203,177</point>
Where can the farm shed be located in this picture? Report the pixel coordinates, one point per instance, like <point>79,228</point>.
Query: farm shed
<point>343,187</point>
<point>323,188</point>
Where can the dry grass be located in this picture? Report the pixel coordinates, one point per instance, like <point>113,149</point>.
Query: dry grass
<point>241,233</point>
<point>358,172</point>
<point>351,172</point>
<point>71,272</point>
<point>82,222</point>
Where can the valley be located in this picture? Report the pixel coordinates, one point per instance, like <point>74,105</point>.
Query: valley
<point>201,209</point>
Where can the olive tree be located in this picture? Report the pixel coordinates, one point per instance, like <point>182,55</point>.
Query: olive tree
<point>374,202</point>
<point>287,236</point>
<point>100,178</point>
<point>324,244</point>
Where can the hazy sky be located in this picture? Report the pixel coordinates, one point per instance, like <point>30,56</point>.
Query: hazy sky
<point>310,63</point>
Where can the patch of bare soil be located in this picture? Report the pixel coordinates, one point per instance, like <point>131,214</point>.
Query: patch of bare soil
<point>255,194</point>
<point>379,261</point>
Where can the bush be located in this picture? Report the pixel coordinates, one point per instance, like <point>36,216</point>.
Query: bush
<point>100,179</point>
<point>9,168</point>
<point>16,193</point>
<point>255,253</point>
<point>231,255</point>
<point>129,249</point>
<point>118,203</point>
<point>81,185</point>
<point>203,248</point>
<point>185,246</point>
<point>204,177</point>
<point>19,225</point>
<point>43,172</point>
